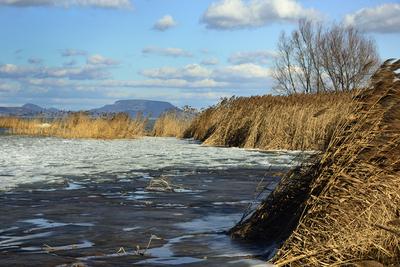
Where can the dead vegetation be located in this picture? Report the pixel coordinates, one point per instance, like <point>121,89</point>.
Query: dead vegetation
<point>78,125</point>
<point>299,121</point>
<point>163,184</point>
<point>350,215</point>
<point>172,124</point>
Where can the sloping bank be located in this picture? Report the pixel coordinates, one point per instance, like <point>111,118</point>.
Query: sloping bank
<point>343,210</point>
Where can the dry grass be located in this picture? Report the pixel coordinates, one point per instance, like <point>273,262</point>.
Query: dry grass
<point>351,212</point>
<point>172,124</point>
<point>163,184</point>
<point>301,121</point>
<point>78,125</point>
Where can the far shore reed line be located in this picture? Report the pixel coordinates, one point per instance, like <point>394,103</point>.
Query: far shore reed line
<point>79,125</point>
<point>294,122</point>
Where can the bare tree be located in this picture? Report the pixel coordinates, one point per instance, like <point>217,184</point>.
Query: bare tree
<point>315,59</point>
<point>283,71</point>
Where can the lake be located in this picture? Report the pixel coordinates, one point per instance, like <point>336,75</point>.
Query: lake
<point>85,202</point>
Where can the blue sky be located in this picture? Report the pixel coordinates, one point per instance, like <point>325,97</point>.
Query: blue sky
<point>78,54</point>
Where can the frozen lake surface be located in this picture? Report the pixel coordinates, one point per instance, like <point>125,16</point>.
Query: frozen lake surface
<point>85,201</point>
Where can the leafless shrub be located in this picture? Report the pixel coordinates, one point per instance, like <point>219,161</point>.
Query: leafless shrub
<point>317,58</point>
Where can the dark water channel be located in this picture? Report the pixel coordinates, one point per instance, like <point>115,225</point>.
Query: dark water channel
<point>91,215</point>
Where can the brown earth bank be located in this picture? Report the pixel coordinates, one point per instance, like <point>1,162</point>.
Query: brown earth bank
<point>295,122</point>
<point>343,209</point>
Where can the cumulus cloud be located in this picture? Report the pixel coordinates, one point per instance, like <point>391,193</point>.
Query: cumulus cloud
<point>196,76</point>
<point>11,71</point>
<point>192,71</point>
<point>164,23</point>
<point>7,87</point>
<point>243,72</point>
<point>256,57</point>
<point>165,83</point>
<point>87,72</point>
<point>210,61</point>
<point>94,79</point>
<point>116,4</point>
<point>73,52</point>
<point>101,60</point>
<point>235,76</point>
<point>169,51</point>
<point>49,82</point>
<point>76,73</point>
<point>381,19</point>
<point>237,14</point>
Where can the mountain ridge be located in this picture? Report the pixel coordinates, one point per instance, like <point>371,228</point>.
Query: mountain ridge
<point>133,107</point>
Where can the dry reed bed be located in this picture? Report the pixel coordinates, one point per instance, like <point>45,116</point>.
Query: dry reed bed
<point>172,124</point>
<point>301,121</point>
<point>78,125</point>
<point>351,214</point>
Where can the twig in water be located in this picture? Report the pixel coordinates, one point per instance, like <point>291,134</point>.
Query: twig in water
<point>142,253</point>
<point>121,250</point>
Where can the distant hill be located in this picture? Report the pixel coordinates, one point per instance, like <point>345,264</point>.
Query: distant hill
<point>150,108</point>
<point>146,107</point>
<point>29,110</point>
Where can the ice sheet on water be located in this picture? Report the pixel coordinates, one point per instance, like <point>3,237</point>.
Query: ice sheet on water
<point>28,160</point>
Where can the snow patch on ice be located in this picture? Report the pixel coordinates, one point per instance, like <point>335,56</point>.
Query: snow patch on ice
<point>29,160</point>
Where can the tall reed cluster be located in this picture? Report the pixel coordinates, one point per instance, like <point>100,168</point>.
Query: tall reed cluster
<point>172,124</point>
<point>299,121</point>
<point>349,200</point>
<point>78,125</point>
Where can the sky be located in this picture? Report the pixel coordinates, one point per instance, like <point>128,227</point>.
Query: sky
<point>81,54</point>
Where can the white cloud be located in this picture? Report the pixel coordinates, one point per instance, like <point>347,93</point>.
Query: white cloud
<point>210,61</point>
<point>14,71</point>
<point>256,57</point>
<point>164,23</point>
<point>382,19</point>
<point>242,72</point>
<point>103,3</point>
<point>91,80</point>
<point>117,4</point>
<point>7,87</point>
<point>170,51</point>
<point>101,60</point>
<point>236,14</point>
<point>192,71</point>
<point>242,75</point>
<point>49,82</point>
<point>76,73</point>
<point>86,72</point>
<point>164,83</point>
